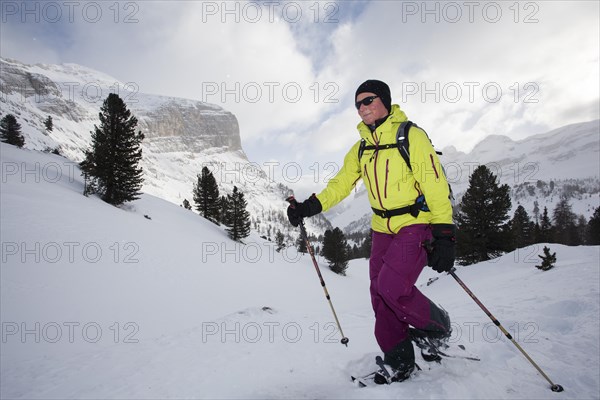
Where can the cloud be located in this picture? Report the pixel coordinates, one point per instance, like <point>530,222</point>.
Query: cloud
<point>491,74</point>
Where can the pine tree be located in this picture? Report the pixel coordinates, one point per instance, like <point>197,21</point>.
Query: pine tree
<point>335,250</point>
<point>481,220</point>
<point>565,228</point>
<point>521,229</point>
<point>10,131</point>
<point>593,229</point>
<point>548,260</point>
<point>365,248</point>
<point>206,196</point>
<point>546,229</point>
<point>223,209</point>
<point>354,252</point>
<point>238,219</point>
<point>279,241</point>
<point>49,124</point>
<point>301,245</point>
<point>111,164</point>
<point>536,212</point>
<point>581,228</point>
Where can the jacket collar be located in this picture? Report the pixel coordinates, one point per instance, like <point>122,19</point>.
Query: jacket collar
<point>396,116</point>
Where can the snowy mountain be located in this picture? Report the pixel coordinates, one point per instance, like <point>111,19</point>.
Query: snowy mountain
<point>542,168</point>
<point>182,136</point>
<point>100,302</point>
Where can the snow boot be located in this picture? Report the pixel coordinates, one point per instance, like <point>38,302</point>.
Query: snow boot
<point>439,328</point>
<point>401,360</point>
<point>434,337</point>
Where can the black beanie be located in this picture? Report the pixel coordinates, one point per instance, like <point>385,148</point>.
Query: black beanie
<point>379,88</point>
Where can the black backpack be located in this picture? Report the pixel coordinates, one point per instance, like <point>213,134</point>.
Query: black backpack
<point>402,146</point>
<point>401,143</point>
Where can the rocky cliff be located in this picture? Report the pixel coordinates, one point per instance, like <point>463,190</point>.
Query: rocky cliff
<point>181,135</point>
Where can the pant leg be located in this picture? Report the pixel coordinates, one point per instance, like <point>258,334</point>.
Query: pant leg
<point>396,263</point>
<point>387,326</point>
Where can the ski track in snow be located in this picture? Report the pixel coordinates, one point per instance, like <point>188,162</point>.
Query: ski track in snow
<point>170,308</point>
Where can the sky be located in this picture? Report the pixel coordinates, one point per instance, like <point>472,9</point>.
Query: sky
<point>288,70</point>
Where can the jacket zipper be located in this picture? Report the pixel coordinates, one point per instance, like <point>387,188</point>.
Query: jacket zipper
<point>376,181</point>
<point>369,179</point>
<point>437,176</point>
<point>387,171</point>
<point>376,154</point>
<point>374,136</point>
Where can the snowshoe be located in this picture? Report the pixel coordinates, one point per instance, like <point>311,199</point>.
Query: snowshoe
<point>380,377</point>
<point>387,374</point>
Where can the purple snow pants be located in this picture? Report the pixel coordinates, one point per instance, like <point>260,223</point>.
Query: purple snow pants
<point>396,262</point>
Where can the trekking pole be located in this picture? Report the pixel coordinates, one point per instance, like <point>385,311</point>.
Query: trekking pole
<point>553,386</point>
<point>304,236</point>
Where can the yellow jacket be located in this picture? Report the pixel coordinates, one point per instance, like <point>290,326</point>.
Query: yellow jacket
<point>389,182</point>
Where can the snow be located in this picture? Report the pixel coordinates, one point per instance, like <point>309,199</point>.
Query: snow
<point>101,302</point>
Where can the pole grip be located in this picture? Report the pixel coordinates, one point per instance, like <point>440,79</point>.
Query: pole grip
<point>292,200</point>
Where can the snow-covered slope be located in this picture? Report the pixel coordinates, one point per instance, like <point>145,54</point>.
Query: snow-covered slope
<point>569,152</point>
<point>101,302</point>
<point>181,136</point>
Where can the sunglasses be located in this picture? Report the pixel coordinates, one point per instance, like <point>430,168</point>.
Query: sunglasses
<point>365,102</point>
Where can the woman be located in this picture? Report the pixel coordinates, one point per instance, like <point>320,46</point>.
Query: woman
<point>411,205</point>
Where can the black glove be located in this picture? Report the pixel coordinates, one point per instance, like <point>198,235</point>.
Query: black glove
<point>441,253</point>
<point>296,211</point>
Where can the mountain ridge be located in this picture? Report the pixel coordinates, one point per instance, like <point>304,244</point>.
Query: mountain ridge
<point>562,155</point>
<point>184,135</point>
<point>181,136</point>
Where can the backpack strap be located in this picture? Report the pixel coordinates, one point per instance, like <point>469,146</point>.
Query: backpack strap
<point>401,143</point>
<point>414,209</point>
<point>402,140</point>
<point>361,148</point>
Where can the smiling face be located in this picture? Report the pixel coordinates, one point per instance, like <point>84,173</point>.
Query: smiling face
<point>374,111</point>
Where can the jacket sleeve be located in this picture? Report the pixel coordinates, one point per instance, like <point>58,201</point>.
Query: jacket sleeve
<point>429,174</point>
<point>340,186</point>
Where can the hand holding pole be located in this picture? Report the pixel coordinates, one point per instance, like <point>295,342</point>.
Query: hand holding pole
<point>304,236</point>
